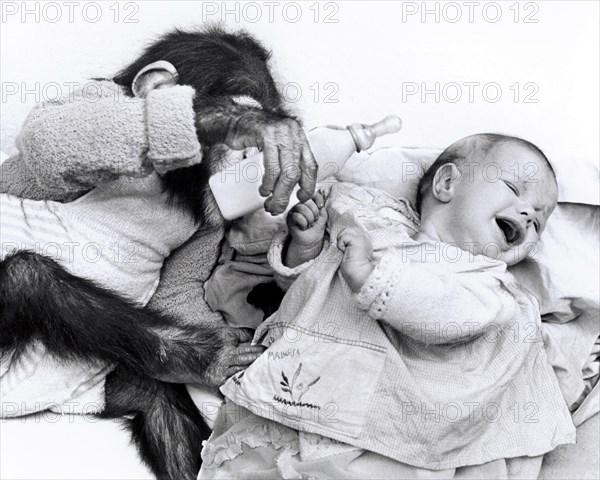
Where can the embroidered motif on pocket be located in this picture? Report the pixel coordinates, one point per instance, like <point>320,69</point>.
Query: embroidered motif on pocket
<point>311,383</point>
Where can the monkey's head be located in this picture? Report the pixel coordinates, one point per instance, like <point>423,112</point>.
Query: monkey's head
<point>216,63</point>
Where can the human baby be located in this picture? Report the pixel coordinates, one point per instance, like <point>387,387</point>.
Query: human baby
<point>403,343</point>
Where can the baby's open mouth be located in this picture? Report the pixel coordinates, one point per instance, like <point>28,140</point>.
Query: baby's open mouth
<point>513,232</point>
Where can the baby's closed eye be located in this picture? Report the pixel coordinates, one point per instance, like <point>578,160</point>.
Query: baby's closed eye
<point>513,187</point>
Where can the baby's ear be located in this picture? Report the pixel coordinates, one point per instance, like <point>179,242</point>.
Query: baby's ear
<point>155,75</point>
<point>444,182</point>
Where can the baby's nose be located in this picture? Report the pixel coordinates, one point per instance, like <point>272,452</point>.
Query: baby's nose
<point>527,211</point>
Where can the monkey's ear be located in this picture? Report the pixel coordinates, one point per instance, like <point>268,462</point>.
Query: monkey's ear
<point>156,75</point>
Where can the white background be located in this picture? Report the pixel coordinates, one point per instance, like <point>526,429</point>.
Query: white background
<point>367,56</point>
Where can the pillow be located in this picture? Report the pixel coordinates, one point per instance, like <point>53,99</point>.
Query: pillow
<point>563,274</point>
<point>395,170</point>
<point>387,168</point>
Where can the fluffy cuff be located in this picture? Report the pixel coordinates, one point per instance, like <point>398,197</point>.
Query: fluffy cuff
<point>172,140</point>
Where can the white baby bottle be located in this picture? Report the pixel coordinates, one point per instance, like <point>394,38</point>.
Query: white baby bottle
<point>235,188</point>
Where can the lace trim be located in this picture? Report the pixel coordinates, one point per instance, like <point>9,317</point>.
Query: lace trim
<point>229,446</point>
<point>375,293</point>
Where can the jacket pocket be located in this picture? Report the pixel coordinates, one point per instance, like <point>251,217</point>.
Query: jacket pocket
<point>311,381</point>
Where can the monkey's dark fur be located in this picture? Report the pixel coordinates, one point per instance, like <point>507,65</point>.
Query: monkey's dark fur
<point>78,320</point>
<point>219,66</point>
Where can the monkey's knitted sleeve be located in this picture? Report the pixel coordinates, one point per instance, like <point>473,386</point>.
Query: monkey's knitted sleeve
<point>98,134</point>
<point>180,292</point>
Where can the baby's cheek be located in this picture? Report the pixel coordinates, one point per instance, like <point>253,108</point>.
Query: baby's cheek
<point>531,241</point>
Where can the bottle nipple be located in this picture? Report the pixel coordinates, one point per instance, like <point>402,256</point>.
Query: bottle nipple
<point>364,135</point>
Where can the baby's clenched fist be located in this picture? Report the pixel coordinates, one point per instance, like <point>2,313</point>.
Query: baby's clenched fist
<point>357,263</point>
<point>307,221</point>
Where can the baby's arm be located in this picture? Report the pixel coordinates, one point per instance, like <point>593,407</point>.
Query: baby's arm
<point>306,224</point>
<point>421,301</point>
<point>99,134</point>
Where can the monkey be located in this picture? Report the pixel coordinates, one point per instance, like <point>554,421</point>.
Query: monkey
<point>77,319</point>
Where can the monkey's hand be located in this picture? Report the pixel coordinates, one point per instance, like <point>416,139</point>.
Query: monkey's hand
<point>236,354</point>
<point>202,354</point>
<point>288,158</point>
<point>357,263</point>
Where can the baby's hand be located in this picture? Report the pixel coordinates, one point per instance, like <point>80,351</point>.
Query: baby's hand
<point>306,221</point>
<point>357,263</point>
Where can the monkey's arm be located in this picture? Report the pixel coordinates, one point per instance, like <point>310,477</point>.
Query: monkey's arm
<point>180,295</point>
<point>99,134</point>
<point>180,292</point>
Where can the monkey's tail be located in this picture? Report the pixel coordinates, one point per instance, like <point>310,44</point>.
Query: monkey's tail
<point>78,320</point>
<point>165,424</point>
<point>169,436</point>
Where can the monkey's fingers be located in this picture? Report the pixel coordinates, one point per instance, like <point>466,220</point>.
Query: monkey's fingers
<point>292,145</point>
<point>249,348</point>
<point>272,168</point>
<point>246,355</point>
<point>242,335</point>
<point>308,172</point>
<point>288,178</point>
<point>230,371</point>
<point>278,145</point>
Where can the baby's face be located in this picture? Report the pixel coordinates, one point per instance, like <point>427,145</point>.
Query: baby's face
<point>501,203</point>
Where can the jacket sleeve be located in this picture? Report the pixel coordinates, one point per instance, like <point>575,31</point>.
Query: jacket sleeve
<point>99,134</point>
<point>435,306</point>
